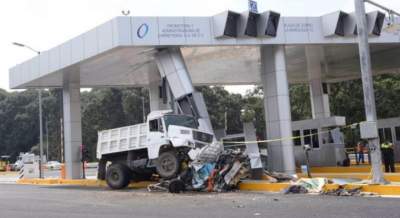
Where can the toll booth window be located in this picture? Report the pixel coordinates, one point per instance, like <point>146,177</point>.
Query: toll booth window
<point>397,130</point>
<point>388,134</point>
<point>296,139</point>
<point>307,137</point>
<point>381,135</point>
<point>315,139</point>
<point>155,126</point>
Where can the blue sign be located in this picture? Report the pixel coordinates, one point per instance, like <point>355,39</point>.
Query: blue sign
<point>142,30</point>
<point>253,6</point>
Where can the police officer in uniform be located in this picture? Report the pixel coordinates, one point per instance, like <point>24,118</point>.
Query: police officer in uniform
<point>388,156</point>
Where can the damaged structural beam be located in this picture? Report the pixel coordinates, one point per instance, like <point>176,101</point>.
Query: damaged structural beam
<point>172,67</point>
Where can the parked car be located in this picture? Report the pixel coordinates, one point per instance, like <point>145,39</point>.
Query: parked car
<point>53,165</point>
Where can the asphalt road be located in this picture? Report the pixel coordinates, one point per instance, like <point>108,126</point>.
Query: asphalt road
<point>67,201</point>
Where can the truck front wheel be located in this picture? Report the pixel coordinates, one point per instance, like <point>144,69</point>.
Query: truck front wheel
<point>168,164</point>
<point>117,176</point>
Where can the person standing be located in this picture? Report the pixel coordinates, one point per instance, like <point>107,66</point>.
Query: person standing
<point>388,156</point>
<point>360,152</point>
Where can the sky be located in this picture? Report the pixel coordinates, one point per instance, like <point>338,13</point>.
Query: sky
<point>43,24</point>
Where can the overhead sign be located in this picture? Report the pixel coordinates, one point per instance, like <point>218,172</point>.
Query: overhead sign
<point>253,6</point>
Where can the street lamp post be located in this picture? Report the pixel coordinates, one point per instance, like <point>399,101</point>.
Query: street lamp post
<point>40,112</point>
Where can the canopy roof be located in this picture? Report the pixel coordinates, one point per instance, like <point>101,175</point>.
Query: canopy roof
<point>120,53</point>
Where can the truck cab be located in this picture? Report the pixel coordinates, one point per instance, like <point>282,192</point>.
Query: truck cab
<point>160,145</point>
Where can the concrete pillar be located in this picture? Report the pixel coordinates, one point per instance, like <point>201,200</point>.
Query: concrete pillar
<point>319,94</point>
<point>72,125</point>
<point>277,109</point>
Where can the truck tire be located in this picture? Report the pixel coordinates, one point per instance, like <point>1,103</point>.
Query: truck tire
<point>118,176</point>
<point>168,165</point>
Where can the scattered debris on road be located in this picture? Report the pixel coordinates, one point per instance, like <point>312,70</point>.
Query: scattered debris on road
<point>307,185</point>
<point>213,169</point>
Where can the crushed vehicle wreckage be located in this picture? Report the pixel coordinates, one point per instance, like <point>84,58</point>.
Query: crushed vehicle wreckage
<point>214,169</point>
<point>210,169</point>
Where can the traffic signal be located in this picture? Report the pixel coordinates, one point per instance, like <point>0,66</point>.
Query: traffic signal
<point>334,23</point>
<point>375,21</point>
<point>225,24</point>
<point>247,25</point>
<point>268,24</point>
<point>340,23</point>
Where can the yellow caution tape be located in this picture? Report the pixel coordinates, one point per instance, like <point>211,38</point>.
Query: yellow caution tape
<point>285,138</point>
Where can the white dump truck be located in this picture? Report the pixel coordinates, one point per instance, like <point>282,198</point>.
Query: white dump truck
<point>158,146</point>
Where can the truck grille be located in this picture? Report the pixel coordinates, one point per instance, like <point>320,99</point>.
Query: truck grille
<point>201,136</point>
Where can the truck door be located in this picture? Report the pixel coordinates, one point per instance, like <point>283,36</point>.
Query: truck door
<point>156,137</point>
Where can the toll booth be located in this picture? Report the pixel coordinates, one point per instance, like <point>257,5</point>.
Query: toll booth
<point>325,139</point>
<point>389,129</point>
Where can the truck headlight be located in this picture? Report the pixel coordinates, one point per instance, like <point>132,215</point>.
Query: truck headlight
<point>191,144</point>
<point>185,132</point>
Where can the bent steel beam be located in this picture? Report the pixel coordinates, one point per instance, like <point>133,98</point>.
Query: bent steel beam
<point>172,67</point>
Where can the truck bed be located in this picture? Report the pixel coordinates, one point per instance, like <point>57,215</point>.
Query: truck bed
<point>121,139</point>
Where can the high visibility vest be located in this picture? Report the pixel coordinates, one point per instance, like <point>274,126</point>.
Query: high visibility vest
<point>386,145</point>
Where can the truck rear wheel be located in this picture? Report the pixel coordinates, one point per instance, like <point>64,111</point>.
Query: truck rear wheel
<point>168,164</point>
<point>118,176</point>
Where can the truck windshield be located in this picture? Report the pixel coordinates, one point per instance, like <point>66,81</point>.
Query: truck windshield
<point>180,120</point>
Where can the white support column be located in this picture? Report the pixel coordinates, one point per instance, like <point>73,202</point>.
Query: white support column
<point>277,109</point>
<point>319,99</point>
<point>72,125</point>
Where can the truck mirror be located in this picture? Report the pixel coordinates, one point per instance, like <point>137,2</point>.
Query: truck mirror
<point>160,125</point>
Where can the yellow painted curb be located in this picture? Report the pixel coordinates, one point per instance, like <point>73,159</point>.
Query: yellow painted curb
<point>351,169</point>
<point>262,186</point>
<point>8,173</point>
<point>391,177</point>
<point>278,187</point>
<point>78,182</point>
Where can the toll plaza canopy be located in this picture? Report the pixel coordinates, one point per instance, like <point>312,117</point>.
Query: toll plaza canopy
<point>171,55</point>
<point>219,50</point>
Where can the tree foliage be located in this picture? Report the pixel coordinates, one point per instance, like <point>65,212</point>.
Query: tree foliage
<point>114,107</point>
